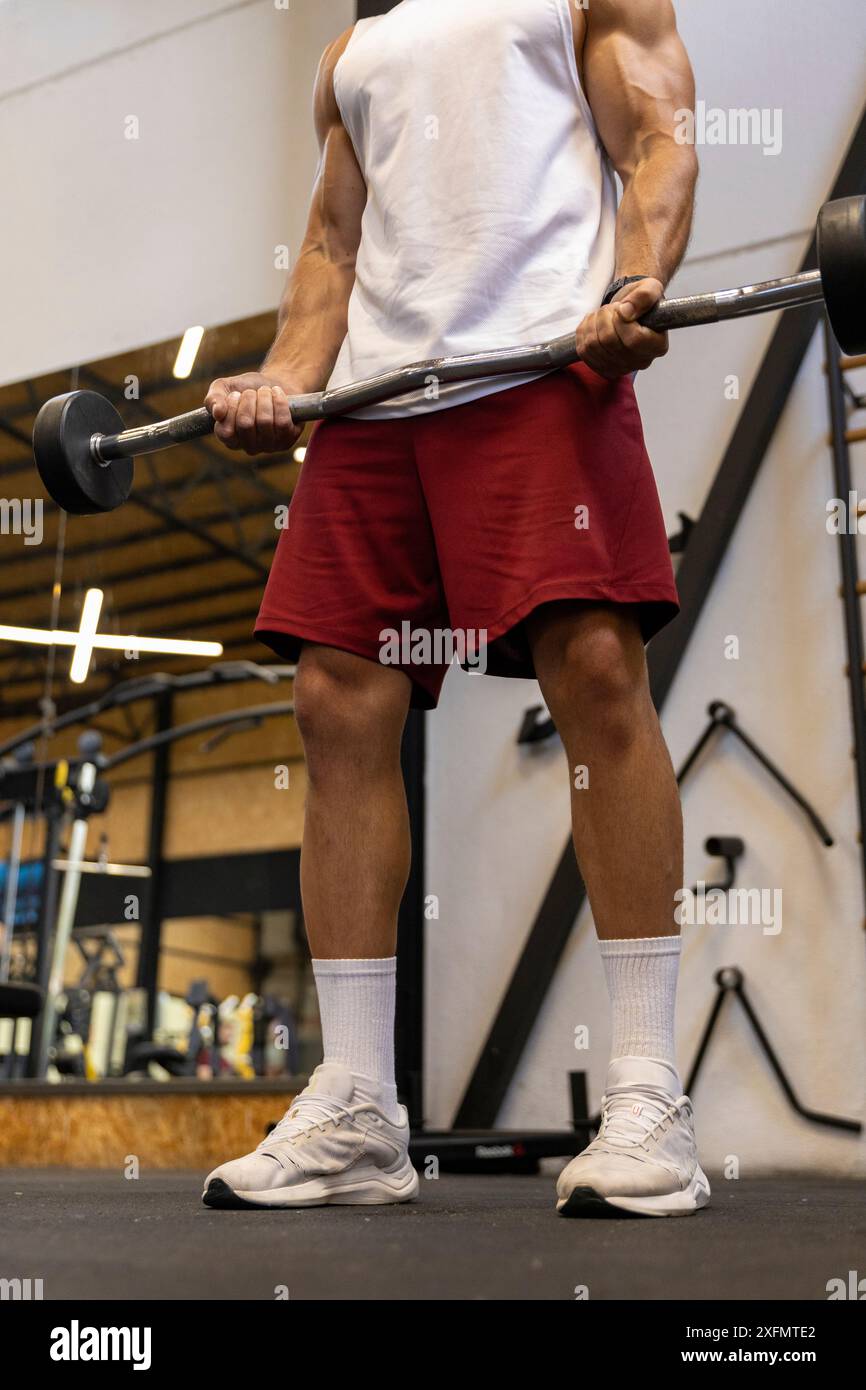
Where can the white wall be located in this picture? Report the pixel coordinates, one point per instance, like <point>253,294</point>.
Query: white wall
<point>498,818</point>
<point>110,243</point>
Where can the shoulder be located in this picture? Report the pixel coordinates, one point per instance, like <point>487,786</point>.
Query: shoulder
<point>334,52</point>
<point>642,18</point>
<point>325,107</point>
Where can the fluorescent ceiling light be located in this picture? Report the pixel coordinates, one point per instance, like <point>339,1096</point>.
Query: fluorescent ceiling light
<point>187,352</point>
<point>55,637</point>
<point>87,639</point>
<point>87,631</point>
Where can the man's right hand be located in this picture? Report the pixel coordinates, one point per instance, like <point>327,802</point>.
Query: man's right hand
<point>251,412</point>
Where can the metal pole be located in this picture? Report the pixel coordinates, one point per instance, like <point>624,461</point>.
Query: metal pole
<point>12,888</point>
<point>65,917</point>
<point>409,1031</point>
<point>850,577</point>
<point>151,924</point>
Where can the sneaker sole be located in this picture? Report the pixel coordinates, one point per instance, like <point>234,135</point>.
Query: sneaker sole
<point>586,1202</point>
<point>379,1189</point>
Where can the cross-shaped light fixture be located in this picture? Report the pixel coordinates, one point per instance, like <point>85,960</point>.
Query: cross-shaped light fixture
<point>87,638</point>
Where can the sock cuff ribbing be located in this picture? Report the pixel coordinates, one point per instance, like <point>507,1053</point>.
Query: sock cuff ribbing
<point>642,945</point>
<point>384,965</point>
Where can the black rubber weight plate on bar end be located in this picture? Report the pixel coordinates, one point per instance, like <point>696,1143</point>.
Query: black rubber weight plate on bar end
<point>61,446</point>
<point>842,258</point>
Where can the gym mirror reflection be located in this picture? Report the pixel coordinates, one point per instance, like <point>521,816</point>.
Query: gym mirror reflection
<point>159,909</point>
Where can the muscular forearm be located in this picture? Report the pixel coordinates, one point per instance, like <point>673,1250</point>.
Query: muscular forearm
<point>312,321</point>
<point>655,215</point>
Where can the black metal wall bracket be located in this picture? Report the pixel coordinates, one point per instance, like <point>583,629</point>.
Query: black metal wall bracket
<point>729,848</point>
<point>537,726</point>
<point>723,717</point>
<point>730,980</point>
<point>678,543</point>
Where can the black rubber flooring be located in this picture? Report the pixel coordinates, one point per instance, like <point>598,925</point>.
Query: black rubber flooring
<point>98,1236</point>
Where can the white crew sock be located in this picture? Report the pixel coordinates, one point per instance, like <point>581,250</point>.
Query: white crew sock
<point>356,1006</point>
<point>642,984</point>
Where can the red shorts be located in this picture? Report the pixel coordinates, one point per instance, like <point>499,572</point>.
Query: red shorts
<point>466,519</point>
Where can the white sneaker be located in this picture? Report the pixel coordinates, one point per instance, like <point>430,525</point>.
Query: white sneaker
<point>333,1146</point>
<point>644,1159</point>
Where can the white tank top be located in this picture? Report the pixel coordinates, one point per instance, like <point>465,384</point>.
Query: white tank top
<point>491,204</point>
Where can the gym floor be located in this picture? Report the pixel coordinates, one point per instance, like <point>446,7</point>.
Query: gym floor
<point>99,1236</point>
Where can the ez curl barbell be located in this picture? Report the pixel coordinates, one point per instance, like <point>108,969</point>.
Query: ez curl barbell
<point>85,456</point>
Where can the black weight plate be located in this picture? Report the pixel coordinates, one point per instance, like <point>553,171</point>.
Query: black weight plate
<point>842,258</point>
<point>61,446</point>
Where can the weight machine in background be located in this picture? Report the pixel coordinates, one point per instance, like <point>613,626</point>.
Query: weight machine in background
<point>62,891</point>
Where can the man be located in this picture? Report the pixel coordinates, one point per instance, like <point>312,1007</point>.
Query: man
<point>465,200</point>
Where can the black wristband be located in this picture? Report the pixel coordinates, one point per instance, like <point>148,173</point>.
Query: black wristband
<point>614,289</point>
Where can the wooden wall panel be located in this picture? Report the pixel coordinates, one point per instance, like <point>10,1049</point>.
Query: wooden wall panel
<point>234,811</point>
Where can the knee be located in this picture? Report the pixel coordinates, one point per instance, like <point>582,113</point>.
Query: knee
<point>347,712</point>
<point>602,689</point>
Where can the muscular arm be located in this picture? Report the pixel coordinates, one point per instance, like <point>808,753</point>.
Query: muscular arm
<point>638,78</point>
<point>251,410</point>
<point>314,310</point>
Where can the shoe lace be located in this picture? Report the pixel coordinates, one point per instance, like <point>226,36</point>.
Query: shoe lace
<point>308,1112</point>
<point>630,1118</point>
